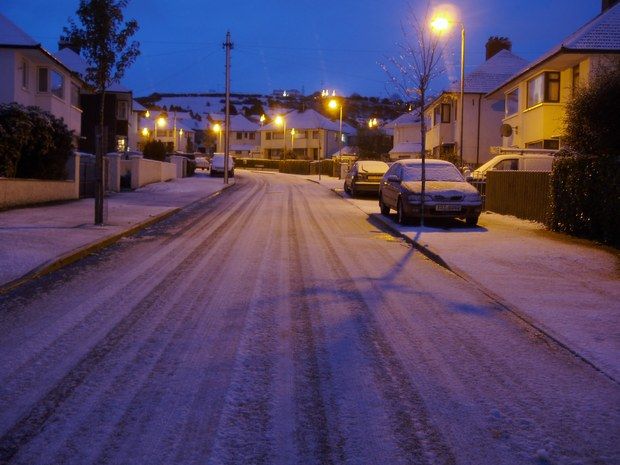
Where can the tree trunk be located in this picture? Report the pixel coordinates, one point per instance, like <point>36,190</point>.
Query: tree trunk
<point>99,177</point>
<point>423,154</point>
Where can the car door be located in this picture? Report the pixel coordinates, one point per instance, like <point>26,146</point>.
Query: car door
<point>391,189</point>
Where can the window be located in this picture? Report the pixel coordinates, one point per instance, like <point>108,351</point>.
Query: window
<point>552,144</point>
<point>252,135</point>
<point>75,95</point>
<point>575,78</point>
<point>121,109</point>
<point>43,80</point>
<point>121,143</point>
<point>25,74</point>
<point>512,164</point>
<point>436,115</point>
<point>58,85</point>
<point>445,112</point>
<point>239,135</point>
<point>512,102</point>
<point>543,88</point>
<point>268,136</point>
<point>315,134</point>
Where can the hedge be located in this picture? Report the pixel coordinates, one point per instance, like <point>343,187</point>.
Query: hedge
<point>585,197</point>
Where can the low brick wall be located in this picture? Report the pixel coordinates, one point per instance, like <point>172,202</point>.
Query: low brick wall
<point>145,171</point>
<point>524,194</point>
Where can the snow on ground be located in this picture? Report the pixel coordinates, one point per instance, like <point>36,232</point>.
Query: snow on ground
<point>31,237</point>
<point>569,287</point>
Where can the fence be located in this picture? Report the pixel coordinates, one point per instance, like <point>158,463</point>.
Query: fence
<point>524,194</point>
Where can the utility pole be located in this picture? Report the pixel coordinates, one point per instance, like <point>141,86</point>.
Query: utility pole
<point>228,45</point>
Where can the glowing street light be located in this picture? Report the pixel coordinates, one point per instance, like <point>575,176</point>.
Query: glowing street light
<point>262,119</point>
<point>440,24</point>
<point>145,132</point>
<point>293,132</point>
<point>281,121</point>
<point>334,104</point>
<point>217,128</point>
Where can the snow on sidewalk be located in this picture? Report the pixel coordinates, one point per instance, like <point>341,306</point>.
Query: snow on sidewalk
<point>32,237</point>
<point>567,286</point>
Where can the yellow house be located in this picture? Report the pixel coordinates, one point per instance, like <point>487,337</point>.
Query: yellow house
<point>535,98</point>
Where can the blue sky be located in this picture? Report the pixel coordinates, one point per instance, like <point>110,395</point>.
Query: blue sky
<point>302,44</point>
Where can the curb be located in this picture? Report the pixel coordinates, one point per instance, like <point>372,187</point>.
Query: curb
<point>77,254</point>
<point>379,221</point>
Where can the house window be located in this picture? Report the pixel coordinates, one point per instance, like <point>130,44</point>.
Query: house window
<point>268,136</point>
<point>575,78</point>
<point>239,135</point>
<point>25,74</point>
<point>252,135</point>
<point>121,143</point>
<point>58,84</point>
<point>512,102</point>
<point>445,112</point>
<point>75,95</point>
<point>436,115</point>
<point>43,79</point>
<point>551,144</point>
<point>315,134</point>
<point>543,88</point>
<point>121,109</point>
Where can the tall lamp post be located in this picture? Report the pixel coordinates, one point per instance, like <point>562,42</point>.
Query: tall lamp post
<point>217,128</point>
<point>281,121</point>
<point>333,104</point>
<point>441,24</point>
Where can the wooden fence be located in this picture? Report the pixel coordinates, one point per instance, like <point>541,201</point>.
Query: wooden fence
<point>524,194</point>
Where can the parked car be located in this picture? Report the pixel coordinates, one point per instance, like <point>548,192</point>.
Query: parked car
<point>202,163</point>
<point>364,176</point>
<point>447,194</point>
<point>512,162</point>
<point>217,165</point>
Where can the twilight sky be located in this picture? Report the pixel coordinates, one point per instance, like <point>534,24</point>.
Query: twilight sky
<point>302,44</point>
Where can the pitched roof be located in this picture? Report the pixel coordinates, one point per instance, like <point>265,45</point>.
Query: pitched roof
<point>13,36</point>
<point>599,35</point>
<point>79,65</point>
<point>491,73</point>
<point>412,117</point>
<point>309,119</point>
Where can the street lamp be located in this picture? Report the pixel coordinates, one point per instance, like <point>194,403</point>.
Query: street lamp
<point>281,121</point>
<point>441,24</point>
<point>217,128</point>
<point>333,104</point>
<point>293,132</point>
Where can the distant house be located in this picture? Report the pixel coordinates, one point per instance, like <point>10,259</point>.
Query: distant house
<point>308,135</point>
<point>176,129</point>
<point>32,76</point>
<point>482,117</point>
<point>407,136</point>
<point>244,135</point>
<point>535,98</point>
<point>117,108</point>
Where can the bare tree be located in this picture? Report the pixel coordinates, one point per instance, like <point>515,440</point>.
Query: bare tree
<point>412,71</point>
<point>104,40</point>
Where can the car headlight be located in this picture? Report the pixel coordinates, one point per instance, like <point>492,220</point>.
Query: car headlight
<point>473,198</point>
<point>417,198</point>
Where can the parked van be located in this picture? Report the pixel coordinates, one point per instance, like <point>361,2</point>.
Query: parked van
<point>513,162</point>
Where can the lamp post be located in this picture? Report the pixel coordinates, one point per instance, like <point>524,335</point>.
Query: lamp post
<point>293,132</point>
<point>440,24</point>
<point>217,127</point>
<point>333,104</point>
<point>281,121</point>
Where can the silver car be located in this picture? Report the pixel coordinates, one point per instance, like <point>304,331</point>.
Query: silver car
<point>447,194</point>
<point>364,176</point>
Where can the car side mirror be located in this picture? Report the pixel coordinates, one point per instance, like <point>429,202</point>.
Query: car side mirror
<point>469,178</point>
<point>393,178</point>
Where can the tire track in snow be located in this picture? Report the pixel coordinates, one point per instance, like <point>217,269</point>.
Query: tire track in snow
<point>32,423</point>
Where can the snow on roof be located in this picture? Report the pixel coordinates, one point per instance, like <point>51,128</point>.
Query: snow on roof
<point>137,106</point>
<point>412,117</point>
<point>599,35</point>
<point>407,147</point>
<point>491,73</point>
<point>11,34</point>
<point>309,119</point>
<point>243,147</point>
<point>346,150</point>
<point>79,65</point>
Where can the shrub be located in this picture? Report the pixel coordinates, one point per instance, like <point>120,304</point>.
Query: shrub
<point>33,143</point>
<point>295,166</point>
<point>155,150</point>
<point>585,197</point>
<point>263,163</point>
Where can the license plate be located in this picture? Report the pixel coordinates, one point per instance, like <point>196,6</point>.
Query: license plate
<point>374,178</point>
<point>448,208</point>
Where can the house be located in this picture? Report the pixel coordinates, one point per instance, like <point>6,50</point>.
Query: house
<point>32,76</point>
<point>176,129</point>
<point>535,98</point>
<point>407,135</point>
<point>306,135</point>
<point>481,116</point>
<point>117,108</point>
<point>244,136</point>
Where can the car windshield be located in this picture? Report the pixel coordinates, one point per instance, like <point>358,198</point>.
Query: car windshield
<point>434,172</point>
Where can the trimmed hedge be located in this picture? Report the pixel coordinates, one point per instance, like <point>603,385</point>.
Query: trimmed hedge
<point>585,197</point>
<point>295,166</point>
<point>258,163</point>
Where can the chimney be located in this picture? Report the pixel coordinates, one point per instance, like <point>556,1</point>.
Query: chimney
<point>497,44</point>
<point>607,4</point>
<point>64,42</point>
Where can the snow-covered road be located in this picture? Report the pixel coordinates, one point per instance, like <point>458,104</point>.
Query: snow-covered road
<point>276,324</point>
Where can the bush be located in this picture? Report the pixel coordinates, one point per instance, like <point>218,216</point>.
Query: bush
<point>155,150</point>
<point>33,143</point>
<point>295,166</point>
<point>585,197</point>
<point>263,163</point>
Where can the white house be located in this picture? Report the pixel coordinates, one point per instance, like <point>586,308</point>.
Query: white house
<point>534,99</point>
<point>244,136</point>
<point>32,76</point>
<point>481,116</point>
<point>407,136</point>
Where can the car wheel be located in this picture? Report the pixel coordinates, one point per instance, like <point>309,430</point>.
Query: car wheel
<point>471,221</point>
<point>400,214</point>
<point>385,210</point>
<point>346,189</point>
<point>353,190</point>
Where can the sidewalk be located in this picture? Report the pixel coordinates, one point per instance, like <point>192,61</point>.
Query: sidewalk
<point>40,239</point>
<point>567,287</point>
